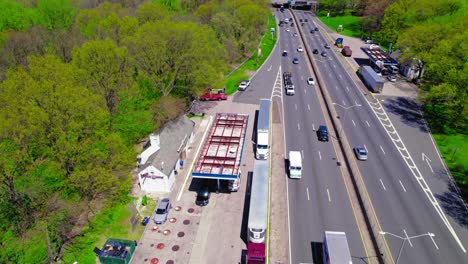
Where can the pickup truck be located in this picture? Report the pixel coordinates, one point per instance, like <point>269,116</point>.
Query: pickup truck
<point>213,95</point>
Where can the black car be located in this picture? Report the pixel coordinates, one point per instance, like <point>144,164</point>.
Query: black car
<point>324,53</point>
<point>203,196</point>
<point>316,29</point>
<point>312,31</point>
<point>300,20</point>
<point>292,24</point>
<point>145,220</point>
<point>285,53</point>
<point>315,51</point>
<point>322,133</point>
<point>306,20</point>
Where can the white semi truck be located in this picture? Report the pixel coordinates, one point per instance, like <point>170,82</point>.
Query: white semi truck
<point>335,248</point>
<point>258,212</point>
<point>263,130</point>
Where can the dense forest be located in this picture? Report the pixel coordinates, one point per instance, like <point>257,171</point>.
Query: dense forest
<point>430,34</point>
<point>82,82</point>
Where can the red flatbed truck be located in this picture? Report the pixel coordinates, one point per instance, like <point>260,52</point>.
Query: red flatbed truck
<point>213,95</point>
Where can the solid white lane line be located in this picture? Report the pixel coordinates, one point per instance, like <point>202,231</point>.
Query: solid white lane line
<point>295,106</point>
<point>367,123</point>
<point>308,107</point>
<point>353,122</point>
<point>320,155</point>
<point>307,189</point>
<point>409,240</point>
<point>383,185</point>
<point>382,149</point>
<point>433,241</point>
<point>365,147</point>
<point>328,193</point>
<point>402,186</point>
<point>298,126</point>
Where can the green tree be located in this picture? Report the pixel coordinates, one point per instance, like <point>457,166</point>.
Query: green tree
<point>105,68</point>
<point>56,13</point>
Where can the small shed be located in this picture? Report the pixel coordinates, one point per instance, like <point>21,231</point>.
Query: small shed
<point>158,172</point>
<point>116,251</point>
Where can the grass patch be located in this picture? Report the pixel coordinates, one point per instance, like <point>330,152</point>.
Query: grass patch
<point>253,64</point>
<point>456,160</point>
<point>351,24</point>
<point>115,222</point>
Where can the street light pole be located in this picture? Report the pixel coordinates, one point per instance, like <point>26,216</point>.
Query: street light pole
<point>346,108</point>
<point>407,238</point>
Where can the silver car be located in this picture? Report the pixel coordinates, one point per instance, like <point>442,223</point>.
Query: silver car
<point>361,153</point>
<point>160,216</point>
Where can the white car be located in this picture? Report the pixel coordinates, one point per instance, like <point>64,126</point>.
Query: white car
<point>299,49</point>
<point>391,78</point>
<point>361,153</point>
<point>310,81</point>
<point>374,46</point>
<point>244,84</point>
<point>288,30</point>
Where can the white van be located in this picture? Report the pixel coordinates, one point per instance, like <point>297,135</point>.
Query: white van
<point>295,164</point>
<point>234,185</point>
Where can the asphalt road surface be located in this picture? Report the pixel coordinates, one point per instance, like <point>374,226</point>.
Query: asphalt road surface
<point>401,189</point>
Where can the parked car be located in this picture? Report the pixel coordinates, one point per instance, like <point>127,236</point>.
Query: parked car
<point>361,153</point>
<point>322,133</point>
<point>160,216</point>
<point>310,81</point>
<point>299,49</point>
<point>212,95</point>
<point>324,53</point>
<point>203,196</point>
<point>295,61</point>
<point>315,51</point>
<point>327,46</point>
<point>145,221</point>
<point>392,78</point>
<point>244,84</point>
<point>285,53</point>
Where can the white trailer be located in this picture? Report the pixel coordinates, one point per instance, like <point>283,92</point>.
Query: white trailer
<point>335,248</point>
<point>258,212</point>
<point>295,164</point>
<point>263,130</point>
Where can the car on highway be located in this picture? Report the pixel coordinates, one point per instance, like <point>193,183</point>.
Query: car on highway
<point>316,28</point>
<point>324,53</point>
<point>312,31</point>
<point>322,133</point>
<point>287,29</point>
<point>300,20</point>
<point>244,84</point>
<point>285,53</point>
<point>310,81</point>
<point>391,78</point>
<point>295,61</point>
<point>295,34</point>
<point>292,24</point>
<point>203,196</point>
<point>299,49</point>
<point>305,20</point>
<point>162,211</point>
<point>315,51</point>
<point>327,46</point>
<point>361,153</point>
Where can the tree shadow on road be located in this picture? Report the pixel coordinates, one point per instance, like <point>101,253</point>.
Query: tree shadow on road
<point>408,111</point>
<point>453,205</point>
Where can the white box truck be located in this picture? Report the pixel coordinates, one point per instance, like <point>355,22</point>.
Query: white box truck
<point>263,130</point>
<point>295,164</point>
<point>335,248</point>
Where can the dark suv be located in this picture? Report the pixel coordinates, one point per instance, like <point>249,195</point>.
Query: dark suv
<point>203,196</point>
<point>322,133</point>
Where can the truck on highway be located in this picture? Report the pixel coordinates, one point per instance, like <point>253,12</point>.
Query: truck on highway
<point>288,84</point>
<point>258,213</point>
<point>213,95</point>
<point>335,248</point>
<point>372,79</point>
<point>263,130</point>
<point>295,164</point>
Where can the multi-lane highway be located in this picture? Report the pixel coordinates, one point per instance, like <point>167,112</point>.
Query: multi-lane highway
<point>319,201</point>
<point>401,197</point>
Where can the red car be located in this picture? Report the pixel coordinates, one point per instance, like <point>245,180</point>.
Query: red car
<point>213,95</point>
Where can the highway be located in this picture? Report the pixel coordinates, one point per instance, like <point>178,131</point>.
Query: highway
<point>319,201</point>
<point>401,197</point>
